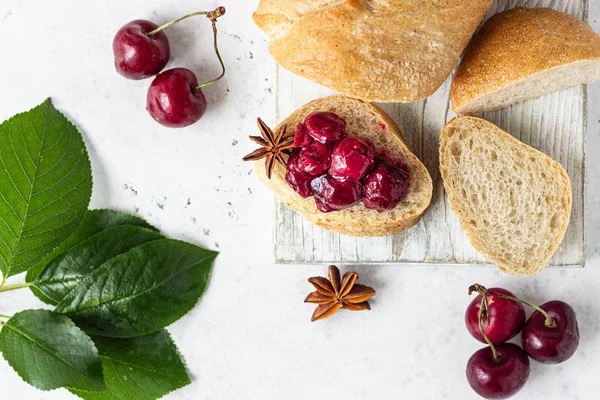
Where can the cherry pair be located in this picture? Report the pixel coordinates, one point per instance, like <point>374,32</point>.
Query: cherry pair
<point>550,336</point>
<point>141,50</point>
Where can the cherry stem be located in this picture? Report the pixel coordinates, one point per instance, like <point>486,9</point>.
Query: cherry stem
<point>5,316</point>
<point>168,24</point>
<point>6,288</point>
<point>482,290</point>
<point>484,306</point>
<point>213,15</point>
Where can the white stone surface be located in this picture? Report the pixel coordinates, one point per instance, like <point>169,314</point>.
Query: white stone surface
<point>250,336</point>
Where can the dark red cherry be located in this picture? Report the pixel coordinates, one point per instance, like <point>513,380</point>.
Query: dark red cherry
<point>498,379</point>
<point>173,100</point>
<point>314,159</point>
<point>325,127</point>
<point>335,194</point>
<point>554,344</point>
<point>506,319</point>
<point>385,186</point>
<point>297,180</point>
<point>137,55</point>
<point>301,137</point>
<point>351,159</point>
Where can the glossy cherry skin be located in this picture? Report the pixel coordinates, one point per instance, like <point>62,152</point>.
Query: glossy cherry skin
<point>498,379</point>
<point>172,100</point>
<point>313,160</point>
<point>325,127</point>
<point>506,318</point>
<point>551,345</point>
<point>351,159</point>
<point>385,186</point>
<point>296,179</point>
<point>332,194</point>
<point>137,55</point>
<point>301,137</point>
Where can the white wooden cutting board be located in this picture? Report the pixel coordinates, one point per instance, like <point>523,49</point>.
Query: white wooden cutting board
<point>555,124</point>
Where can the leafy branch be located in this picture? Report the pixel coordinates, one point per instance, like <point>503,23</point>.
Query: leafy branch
<point>114,280</point>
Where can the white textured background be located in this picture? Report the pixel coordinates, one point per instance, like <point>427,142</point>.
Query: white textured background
<point>250,336</point>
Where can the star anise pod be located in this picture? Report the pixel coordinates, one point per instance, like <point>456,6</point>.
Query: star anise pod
<point>273,147</point>
<point>333,294</point>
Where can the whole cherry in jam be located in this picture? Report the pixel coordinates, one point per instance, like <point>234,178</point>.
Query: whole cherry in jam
<point>499,374</point>
<point>351,159</point>
<point>554,337</point>
<point>313,160</point>
<point>506,317</point>
<point>301,136</point>
<point>299,182</point>
<point>385,186</point>
<point>140,49</point>
<point>296,179</point>
<point>332,194</point>
<point>174,98</point>
<point>325,127</point>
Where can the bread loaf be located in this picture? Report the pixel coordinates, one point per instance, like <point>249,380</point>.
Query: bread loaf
<point>387,51</point>
<point>522,54</point>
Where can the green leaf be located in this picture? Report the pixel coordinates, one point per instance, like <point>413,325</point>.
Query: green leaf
<point>141,291</point>
<point>94,221</point>
<point>64,272</point>
<point>142,368</point>
<point>48,351</point>
<point>46,182</point>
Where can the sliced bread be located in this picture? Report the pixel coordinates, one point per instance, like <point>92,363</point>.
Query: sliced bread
<point>388,51</point>
<point>513,201</point>
<point>522,54</point>
<point>367,121</point>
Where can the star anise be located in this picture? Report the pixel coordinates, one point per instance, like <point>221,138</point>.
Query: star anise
<point>333,294</point>
<point>273,147</point>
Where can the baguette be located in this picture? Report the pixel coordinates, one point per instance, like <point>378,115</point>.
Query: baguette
<point>513,201</point>
<point>387,51</point>
<point>522,54</point>
<point>366,121</point>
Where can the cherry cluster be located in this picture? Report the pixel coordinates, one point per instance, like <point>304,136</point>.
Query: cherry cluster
<point>142,50</point>
<point>549,336</point>
<point>340,171</point>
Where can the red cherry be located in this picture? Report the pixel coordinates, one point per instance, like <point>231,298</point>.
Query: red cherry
<point>385,186</point>
<point>555,343</point>
<point>173,100</point>
<point>296,179</point>
<point>335,194</point>
<point>301,137</point>
<point>137,55</point>
<point>325,127</point>
<point>351,159</point>
<point>506,319</point>
<point>501,378</point>
<point>314,159</point>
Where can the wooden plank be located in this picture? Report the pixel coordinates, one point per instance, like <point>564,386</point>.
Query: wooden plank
<point>555,124</point>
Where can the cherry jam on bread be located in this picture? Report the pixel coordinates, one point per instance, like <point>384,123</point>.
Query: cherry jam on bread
<point>341,171</point>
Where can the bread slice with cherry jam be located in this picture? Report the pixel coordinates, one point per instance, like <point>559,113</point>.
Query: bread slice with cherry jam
<point>370,125</point>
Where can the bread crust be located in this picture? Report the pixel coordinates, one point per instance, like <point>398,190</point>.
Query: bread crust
<point>357,220</point>
<point>515,45</point>
<point>392,51</point>
<point>481,242</point>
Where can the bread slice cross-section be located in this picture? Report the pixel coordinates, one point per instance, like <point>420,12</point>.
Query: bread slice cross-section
<point>513,201</point>
<point>522,54</point>
<point>365,121</point>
